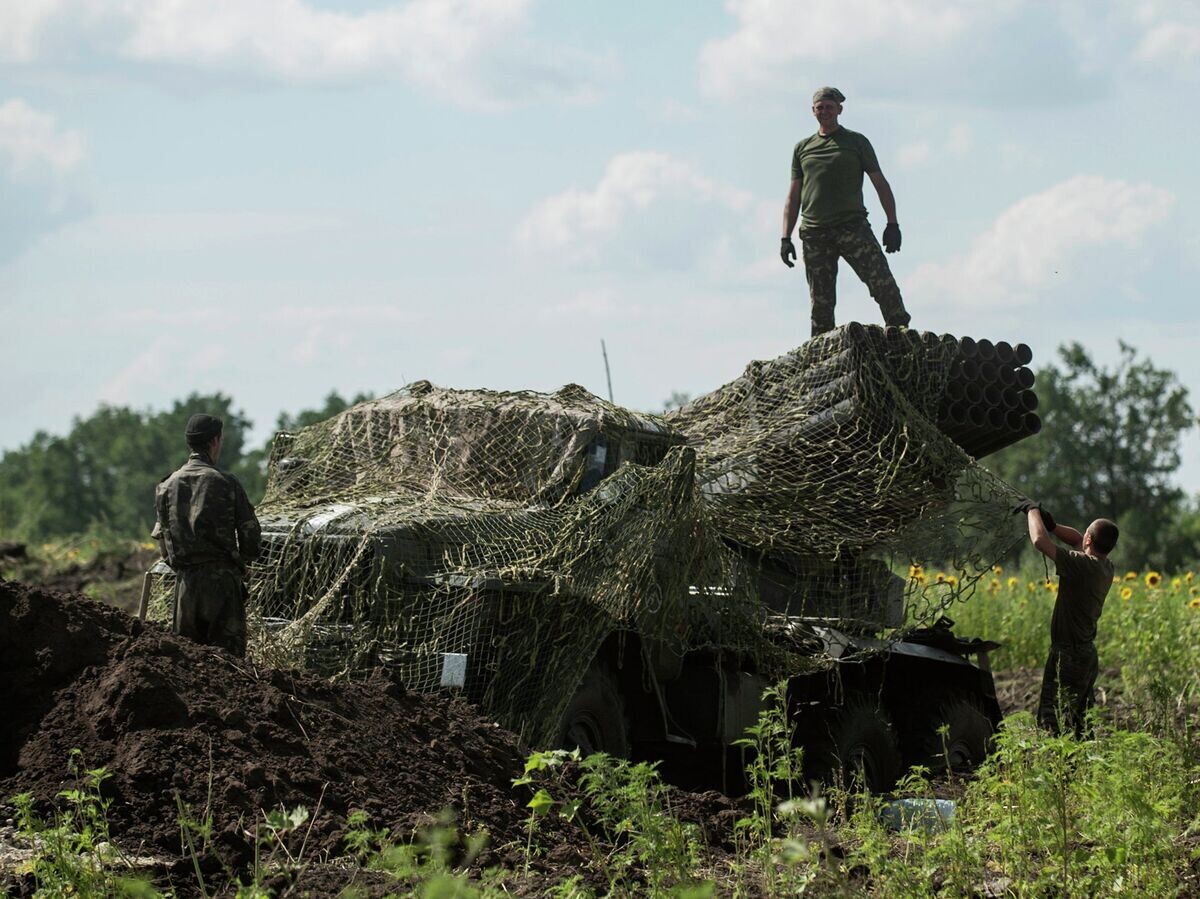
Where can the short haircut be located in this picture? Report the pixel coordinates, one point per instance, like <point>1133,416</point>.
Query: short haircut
<point>1104,535</point>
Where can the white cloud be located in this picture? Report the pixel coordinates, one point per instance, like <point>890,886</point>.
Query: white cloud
<point>1039,237</point>
<point>650,209</point>
<point>472,51</point>
<point>31,140</point>
<point>776,34</point>
<point>914,154</point>
<point>1170,42</point>
<point>957,145</point>
<point>1003,53</point>
<point>38,176</point>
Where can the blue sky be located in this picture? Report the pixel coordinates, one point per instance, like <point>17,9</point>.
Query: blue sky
<point>276,198</point>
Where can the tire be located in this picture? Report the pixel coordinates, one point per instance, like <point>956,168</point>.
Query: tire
<point>594,720</point>
<point>968,736</point>
<point>855,747</point>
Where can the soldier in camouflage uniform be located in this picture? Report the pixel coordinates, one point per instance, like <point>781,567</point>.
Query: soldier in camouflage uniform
<point>826,196</point>
<point>207,531</point>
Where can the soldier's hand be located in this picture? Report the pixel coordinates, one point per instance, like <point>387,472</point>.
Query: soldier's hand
<point>891,238</point>
<point>787,252</point>
<point>1047,519</point>
<point>1023,507</point>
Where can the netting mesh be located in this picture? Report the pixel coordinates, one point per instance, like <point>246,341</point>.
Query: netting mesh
<point>521,530</point>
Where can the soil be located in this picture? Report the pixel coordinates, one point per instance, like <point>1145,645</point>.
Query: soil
<point>175,722</point>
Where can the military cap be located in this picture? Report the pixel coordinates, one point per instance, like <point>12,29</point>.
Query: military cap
<point>829,93</point>
<point>204,427</point>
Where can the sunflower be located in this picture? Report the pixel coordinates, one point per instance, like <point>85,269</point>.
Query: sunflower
<point>1131,575</point>
<point>1031,586</point>
<point>1194,603</point>
<point>1012,583</point>
<point>915,571</point>
<point>1176,583</point>
<point>997,570</point>
<point>1153,579</point>
<point>1126,593</point>
<point>1051,587</point>
<point>940,578</point>
<point>951,580</point>
<point>1188,577</point>
<point>1193,591</point>
<point>993,585</point>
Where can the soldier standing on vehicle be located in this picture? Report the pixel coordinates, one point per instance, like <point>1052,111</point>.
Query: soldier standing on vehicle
<point>1084,577</point>
<point>826,195</point>
<point>207,531</point>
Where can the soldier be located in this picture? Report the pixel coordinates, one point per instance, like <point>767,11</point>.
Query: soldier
<point>207,531</point>
<point>826,194</point>
<point>1084,577</point>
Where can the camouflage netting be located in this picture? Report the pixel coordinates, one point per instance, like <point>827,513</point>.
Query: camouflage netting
<point>522,529</point>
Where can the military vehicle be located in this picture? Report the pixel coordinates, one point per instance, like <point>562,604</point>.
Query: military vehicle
<point>631,583</point>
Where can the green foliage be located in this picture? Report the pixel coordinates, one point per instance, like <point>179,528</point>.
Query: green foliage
<point>74,855</point>
<point>101,475</point>
<point>103,472</point>
<point>1109,447</point>
<point>431,866</point>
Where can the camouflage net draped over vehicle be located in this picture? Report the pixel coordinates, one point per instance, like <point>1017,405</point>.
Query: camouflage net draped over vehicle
<point>522,529</point>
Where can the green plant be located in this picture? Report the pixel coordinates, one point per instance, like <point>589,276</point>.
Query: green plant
<point>74,854</point>
<point>428,865</point>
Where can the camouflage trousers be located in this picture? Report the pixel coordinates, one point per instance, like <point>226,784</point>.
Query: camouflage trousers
<point>1068,687</point>
<point>210,607</point>
<point>855,243</point>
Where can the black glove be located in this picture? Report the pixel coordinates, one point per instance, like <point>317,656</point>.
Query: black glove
<point>891,238</point>
<point>1047,519</point>
<point>1023,507</point>
<point>787,252</point>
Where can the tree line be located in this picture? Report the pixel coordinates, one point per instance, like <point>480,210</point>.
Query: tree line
<point>102,473</point>
<point>1109,446</point>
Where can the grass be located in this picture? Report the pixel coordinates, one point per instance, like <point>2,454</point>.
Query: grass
<point>1116,814</point>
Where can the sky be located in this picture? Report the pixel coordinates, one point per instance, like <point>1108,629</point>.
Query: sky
<point>279,198</point>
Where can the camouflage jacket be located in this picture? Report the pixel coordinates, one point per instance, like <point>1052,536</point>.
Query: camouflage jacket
<point>205,518</point>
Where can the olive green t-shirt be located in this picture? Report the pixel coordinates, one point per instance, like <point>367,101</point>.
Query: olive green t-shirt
<point>1083,583</point>
<point>831,170</point>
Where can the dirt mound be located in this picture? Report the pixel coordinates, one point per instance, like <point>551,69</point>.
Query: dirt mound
<point>168,717</point>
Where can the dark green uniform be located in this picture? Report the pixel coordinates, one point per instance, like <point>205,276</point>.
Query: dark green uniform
<point>209,532</point>
<point>1069,680</point>
<point>833,224</point>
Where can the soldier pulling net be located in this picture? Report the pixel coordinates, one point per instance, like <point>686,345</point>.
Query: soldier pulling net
<point>495,540</point>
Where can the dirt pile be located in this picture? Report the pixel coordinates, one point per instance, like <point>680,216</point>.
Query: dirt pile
<point>168,717</point>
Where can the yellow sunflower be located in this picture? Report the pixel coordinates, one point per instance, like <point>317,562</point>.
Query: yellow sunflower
<point>1188,577</point>
<point>1012,583</point>
<point>1176,583</point>
<point>1153,579</point>
<point>997,570</point>
<point>915,571</point>
<point>1194,603</point>
<point>993,585</point>
<point>1131,575</point>
<point>1126,593</point>
<point>951,580</point>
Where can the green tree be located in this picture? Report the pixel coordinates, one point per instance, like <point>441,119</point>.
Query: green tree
<point>103,472</point>
<point>1109,447</point>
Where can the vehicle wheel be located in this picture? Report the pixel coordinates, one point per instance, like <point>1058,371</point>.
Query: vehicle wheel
<point>594,720</point>
<point>858,749</point>
<point>968,736</point>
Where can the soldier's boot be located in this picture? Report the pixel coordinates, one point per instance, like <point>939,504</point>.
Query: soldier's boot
<point>892,306</point>
<point>822,324</point>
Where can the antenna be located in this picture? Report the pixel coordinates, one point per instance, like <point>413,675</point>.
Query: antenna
<point>607,372</point>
